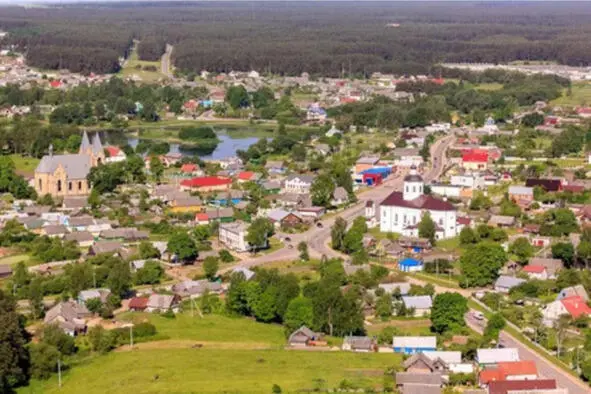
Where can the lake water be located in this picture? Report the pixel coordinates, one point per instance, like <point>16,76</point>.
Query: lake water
<point>226,148</point>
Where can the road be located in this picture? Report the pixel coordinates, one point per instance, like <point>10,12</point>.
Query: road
<point>545,368</point>
<point>317,238</point>
<point>165,61</point>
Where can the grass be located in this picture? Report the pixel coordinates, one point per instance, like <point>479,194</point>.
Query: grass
<point>302,269</point>
<point>433,279</point>
<point>214,328</point>
<point>449,244</point>
<point>274,245</point>
<point>580,96</point>
<point>24,165</point>
<point>17,258</point>
<point>129,69</point>
<point>220,370</point>
<point>489,86</point>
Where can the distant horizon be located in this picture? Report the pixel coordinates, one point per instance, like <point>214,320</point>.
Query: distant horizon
<point>57,2</point>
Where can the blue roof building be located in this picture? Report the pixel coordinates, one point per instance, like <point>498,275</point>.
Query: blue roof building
<point>410,265</point>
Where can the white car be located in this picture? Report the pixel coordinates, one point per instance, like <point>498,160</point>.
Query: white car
<point>478,315</point>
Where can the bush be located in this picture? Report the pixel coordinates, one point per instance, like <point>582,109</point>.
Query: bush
<point>225,256</point>
<point>168,314</point>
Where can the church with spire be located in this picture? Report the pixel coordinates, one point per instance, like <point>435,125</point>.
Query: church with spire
<point>65,175</point>
<point>401,212</point>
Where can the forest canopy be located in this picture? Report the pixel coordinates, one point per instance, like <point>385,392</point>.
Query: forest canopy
<point>322,38</point>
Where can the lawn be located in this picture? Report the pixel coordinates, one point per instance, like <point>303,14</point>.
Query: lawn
<point>212,328</point>
<point>580,95</point>
<point>489,86</point>
<point>220,370</point>
<point>24,165</point>
<point>129,69</point>
<point>17,258</point>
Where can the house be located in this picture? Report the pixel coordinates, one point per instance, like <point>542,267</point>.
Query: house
<point>233,235</point>
<point>206,184</point>
<point>491,357</point>
<point>190,169</point>
<point>313,213</point>
<point>138,304</point>
<point>445,190</point>
<point>366,163</point>
<point>303,337</point>
<point>552,266</point>
<point>549,185</point>
<point>281,218</point>
<point>540,241</point>
<point>101,247</point>
<point>66,175</point>
<point>451,361</point>
<point>573,291</point>
<point>390,288</point>
<point>505,283</point>
<point>513,370</point>
<point>114,154</point>
<point>196,288</point>
<point>521,386</point>
<point>69,316</point>
<point>201,218</point>
<point>358,344</point>
<point>402,211</point>
<point>536,272</point>
<point>162,302</point>
<point>275,167</point>
<point>411,345</point>
<point>248,176</point>
<point>315,113</point>
<point>5,271</point>
<point>421,304</point>
<point>101,294</point>
<point>409,264</point>
<point>339,196</point>
<point>405,158</point>
<point>422,363</point>
<point>521,194</point>
<point>188,204</point>
<point>475,159</point>
<point>419,383</point>
<point>575,306</point>
<point>248,274</point>
<point>299,184</point>
<point>75,203</point>
<point>54,231</point>
<point>84,239</point>
<point>221,214</point>
<point>129,234</point>
<point>501,221</point>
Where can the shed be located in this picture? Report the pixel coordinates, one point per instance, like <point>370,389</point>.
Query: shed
<point>410,265</point>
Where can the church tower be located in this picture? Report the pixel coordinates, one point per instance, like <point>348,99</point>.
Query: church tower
<point>413,185</point>
<point>95,149</point>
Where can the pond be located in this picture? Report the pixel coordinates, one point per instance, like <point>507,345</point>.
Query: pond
<point>226,147</point>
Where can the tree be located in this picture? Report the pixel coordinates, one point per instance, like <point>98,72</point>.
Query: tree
<point>181,244</point>
<point>258,233</point>
<point>299,313</point>
<point>322,190</point>
<point>303,249</point>
<point>14,356</point>
<point>584,252</point>
<point>94,199</point>
<point>559,222</point>
<point>44,359</point>
<point>384,306</point>
<point>148,251</point>
<point>149,274</point>
<point>468,236</point>
<point>237,97</point>
<point>337,233</point>
<point>565,252</point>
<point>481,263</point>
<point>427,228</point>
<point>522,249</point>
<point>119,279</point>
<point>53,335</point>
<point>156,168</point>
<point>447,313</point>
<point>532,120</point>
<point>561,326</point>
<point>36,298</point>
<point>210,267</point>
<point>94,305</point>
<point>494,326</point>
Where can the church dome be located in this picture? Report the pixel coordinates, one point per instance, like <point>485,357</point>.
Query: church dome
<point>413,176</point>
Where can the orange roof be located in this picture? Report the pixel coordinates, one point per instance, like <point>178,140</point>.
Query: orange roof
<point>576,306</point>
<point>517,368</point>
<point>188,167</point>
<point>490,375</point>
<point>534,269</point>
<point>245,175</point>
<point>201,217</point>
<point>113,150</point>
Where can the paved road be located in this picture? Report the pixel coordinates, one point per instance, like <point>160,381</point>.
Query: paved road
<point>545,368</point>
<point>165,61</point>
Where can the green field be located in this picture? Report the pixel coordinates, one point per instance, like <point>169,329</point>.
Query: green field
<point>215,328</point>
<point>129,69</point>
<point>215,371</point>
<point>24,165</point>
<point>17,258</point>
<point>580,96</point>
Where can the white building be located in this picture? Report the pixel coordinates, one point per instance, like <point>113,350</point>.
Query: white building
<point>233,235</point>
<point>299,184</point>
<point>401,212</point>
<point>115,154</point>
<point>446,190</point>
<point>468,180</point>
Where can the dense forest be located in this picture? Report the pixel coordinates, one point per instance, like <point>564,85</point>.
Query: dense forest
<point>327,38</point>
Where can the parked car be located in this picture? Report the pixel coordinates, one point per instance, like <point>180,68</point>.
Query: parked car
<point>478,315</point>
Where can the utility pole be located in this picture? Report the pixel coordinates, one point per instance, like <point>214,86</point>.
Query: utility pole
<point>59,372</point>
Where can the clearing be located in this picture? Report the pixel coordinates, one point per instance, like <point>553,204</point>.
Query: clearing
<point>144,70</point>
<point>24,165</point>
<point>580,96</point>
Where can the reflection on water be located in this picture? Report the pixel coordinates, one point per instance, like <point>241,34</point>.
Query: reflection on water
<point>227,146</point>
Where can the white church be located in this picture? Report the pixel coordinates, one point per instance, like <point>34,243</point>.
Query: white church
<point>401,212</point>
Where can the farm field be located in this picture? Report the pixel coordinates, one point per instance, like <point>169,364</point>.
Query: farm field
<point>580,96</point>
<point>219,370</point>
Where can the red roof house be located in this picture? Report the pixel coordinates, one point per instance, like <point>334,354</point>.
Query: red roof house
<point>55,84</point>
<point>188,168</point>
<point>202,218</point>
<point>138,303</point>
<point>246,175</point>
<point>113,150</point>
<point>206,183</point>
<point>576,306</point>
<point>504,386</point>
<point>475,156</point>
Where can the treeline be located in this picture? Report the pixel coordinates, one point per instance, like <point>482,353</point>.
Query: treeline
<point>323,38</point>
<point>151,48</point>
